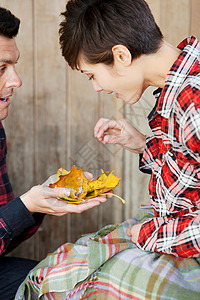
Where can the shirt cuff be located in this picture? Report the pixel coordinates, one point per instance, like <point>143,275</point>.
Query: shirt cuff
<point>143,170</point>
<point>16,216</point>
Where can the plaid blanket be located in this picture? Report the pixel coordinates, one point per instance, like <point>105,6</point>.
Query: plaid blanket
<point>107,265</point>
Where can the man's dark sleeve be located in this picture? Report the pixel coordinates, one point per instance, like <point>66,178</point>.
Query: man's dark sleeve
<point>16,224</point>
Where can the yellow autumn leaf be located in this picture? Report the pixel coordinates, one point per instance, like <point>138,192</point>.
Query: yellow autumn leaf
<point>81,188</point>
<point>61,171</point>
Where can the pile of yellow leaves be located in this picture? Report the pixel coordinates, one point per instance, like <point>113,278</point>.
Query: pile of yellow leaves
<point>81,188</point>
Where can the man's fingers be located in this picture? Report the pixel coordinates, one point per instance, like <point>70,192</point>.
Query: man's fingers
<point>55,192</point>
<point>79,208</point>
<point>100,198</point>
<point>88,175</point>
<point>51,179</point>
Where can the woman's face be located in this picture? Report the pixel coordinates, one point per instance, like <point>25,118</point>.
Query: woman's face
<point>127,83</point>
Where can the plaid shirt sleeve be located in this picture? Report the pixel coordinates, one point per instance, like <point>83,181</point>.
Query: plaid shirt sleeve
<point>174,159</point>
<point>178,235</point>
<point>16,223</point>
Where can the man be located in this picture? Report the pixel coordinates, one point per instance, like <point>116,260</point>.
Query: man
<point>20,217</point>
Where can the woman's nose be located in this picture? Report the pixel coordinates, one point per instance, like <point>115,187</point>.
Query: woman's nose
<point>96,87</point>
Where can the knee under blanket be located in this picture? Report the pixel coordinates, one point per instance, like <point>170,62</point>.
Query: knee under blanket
<point>107,265</point>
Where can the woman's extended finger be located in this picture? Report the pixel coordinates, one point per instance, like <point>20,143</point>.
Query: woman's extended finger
<point>98,125</point>
<point>106,126</point>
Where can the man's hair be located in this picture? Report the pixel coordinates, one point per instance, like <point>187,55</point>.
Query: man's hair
<point>92,27</point>
<point>9,24</point>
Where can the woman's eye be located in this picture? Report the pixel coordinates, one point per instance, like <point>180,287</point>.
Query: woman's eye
<point>91,77</point>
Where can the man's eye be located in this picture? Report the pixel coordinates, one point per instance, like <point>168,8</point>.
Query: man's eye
<point>2,69</point>
<point>91,77</point>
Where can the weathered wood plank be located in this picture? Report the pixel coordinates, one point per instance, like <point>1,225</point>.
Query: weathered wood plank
<point>112,159</point>
<point>135,182</point>
<point>195,19</point>
<point>155,6</point>
<point>50,111</point>
<point>82,114</point>
<point>175,20</point>
<point>50,90</point>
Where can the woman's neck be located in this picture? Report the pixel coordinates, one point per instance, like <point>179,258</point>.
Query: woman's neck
<point>159,64</point>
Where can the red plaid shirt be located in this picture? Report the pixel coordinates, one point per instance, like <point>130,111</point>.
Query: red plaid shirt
<point>173,157</point>
<point>16,223</point>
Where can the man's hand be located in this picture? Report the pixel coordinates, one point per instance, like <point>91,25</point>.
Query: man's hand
<point>133,232</point>
<point>43,199</point>
<point>120,132</point>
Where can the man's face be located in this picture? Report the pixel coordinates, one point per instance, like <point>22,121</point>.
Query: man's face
<point>127,84</point>
<point>9,79</point>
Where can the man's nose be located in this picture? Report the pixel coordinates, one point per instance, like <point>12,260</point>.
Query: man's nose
<point>14,81</point>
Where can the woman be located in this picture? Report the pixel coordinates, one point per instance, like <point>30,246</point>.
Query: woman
<point>121,49</point>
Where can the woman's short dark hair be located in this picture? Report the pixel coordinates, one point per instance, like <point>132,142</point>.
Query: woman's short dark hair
<point>92,27</point>
<point>9,24</point>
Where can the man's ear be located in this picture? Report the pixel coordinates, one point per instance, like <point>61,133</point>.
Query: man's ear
<point>122,55</point>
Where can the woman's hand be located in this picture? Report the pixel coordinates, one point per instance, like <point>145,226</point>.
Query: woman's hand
<point>120,132</point>
<point>133,232</point>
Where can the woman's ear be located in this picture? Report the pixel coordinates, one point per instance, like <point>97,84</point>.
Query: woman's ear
<point>122,55</point>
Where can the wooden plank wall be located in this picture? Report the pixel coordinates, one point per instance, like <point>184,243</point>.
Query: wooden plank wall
<point>52,116</point>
